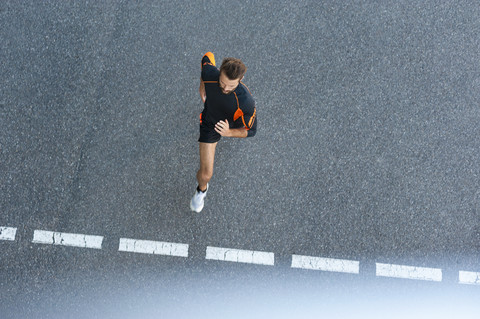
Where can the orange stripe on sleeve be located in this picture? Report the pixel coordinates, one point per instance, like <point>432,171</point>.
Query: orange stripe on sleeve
<point>252,118</point>
<point>243,120</point>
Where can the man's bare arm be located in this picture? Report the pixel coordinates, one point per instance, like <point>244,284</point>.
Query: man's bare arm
<point>224,129</point>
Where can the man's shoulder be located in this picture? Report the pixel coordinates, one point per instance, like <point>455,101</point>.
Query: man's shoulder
<point>245,97</point>
<point>209,69</point>
<point>210,73</point>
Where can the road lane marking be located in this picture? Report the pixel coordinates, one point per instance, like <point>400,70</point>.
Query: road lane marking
<point>7,233</point>
<point>241,256</point>
<point>153,247</point>
<point>408,272</point>
<point>237,255</point>
<point>325,264</point>
<point>67,239</point>
<point>469,278</point>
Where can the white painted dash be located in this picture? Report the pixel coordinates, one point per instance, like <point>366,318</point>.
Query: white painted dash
<point>7,233</point>
<point>325,264</point>
<point>241,256</point>
<point>153,247</point>
<point>469,277</point>
<point>408,272</point>
<point>67,239</point>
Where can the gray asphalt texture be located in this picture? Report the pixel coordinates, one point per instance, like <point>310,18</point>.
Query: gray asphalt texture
<point>367,149</point>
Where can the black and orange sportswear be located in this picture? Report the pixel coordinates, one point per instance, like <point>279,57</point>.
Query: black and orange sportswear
<point>238,107</point>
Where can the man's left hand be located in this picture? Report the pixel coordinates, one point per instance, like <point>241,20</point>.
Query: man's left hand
<point>223,128</point>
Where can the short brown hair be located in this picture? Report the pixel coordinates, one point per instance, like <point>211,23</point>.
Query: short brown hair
<point>233,68</point>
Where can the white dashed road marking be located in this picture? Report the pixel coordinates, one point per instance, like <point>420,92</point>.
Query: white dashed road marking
<point>238,255</point>
<point>325,264</point>
<point>469,277</point>
<point>241,256</point>
<point>409,272</point>
<point>153,247</point>
<point>7,233</point>
<point>66,239</point>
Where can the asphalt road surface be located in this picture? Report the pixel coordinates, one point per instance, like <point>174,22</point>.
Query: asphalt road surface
<point>359,197</point>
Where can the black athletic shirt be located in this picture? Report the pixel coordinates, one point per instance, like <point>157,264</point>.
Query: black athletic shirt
<point>238,107</point>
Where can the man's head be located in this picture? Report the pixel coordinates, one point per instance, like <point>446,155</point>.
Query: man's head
<point>231,73</point>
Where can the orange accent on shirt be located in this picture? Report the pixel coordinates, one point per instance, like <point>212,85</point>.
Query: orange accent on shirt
<point>252,118</point>
<point>211,57</point>
<point>238,113</point>
<point>238,104</point>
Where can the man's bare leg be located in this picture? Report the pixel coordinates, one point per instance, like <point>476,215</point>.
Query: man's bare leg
<point>207,158</point>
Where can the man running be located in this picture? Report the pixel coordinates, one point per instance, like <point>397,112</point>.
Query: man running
<point>229,110</point>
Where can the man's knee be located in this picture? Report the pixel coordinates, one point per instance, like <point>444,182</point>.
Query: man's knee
<point>205,175</point>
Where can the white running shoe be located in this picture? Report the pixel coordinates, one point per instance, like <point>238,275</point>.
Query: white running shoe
<point>198,200</point>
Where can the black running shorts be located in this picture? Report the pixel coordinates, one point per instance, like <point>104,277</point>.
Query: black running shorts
<point>208,135</point>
